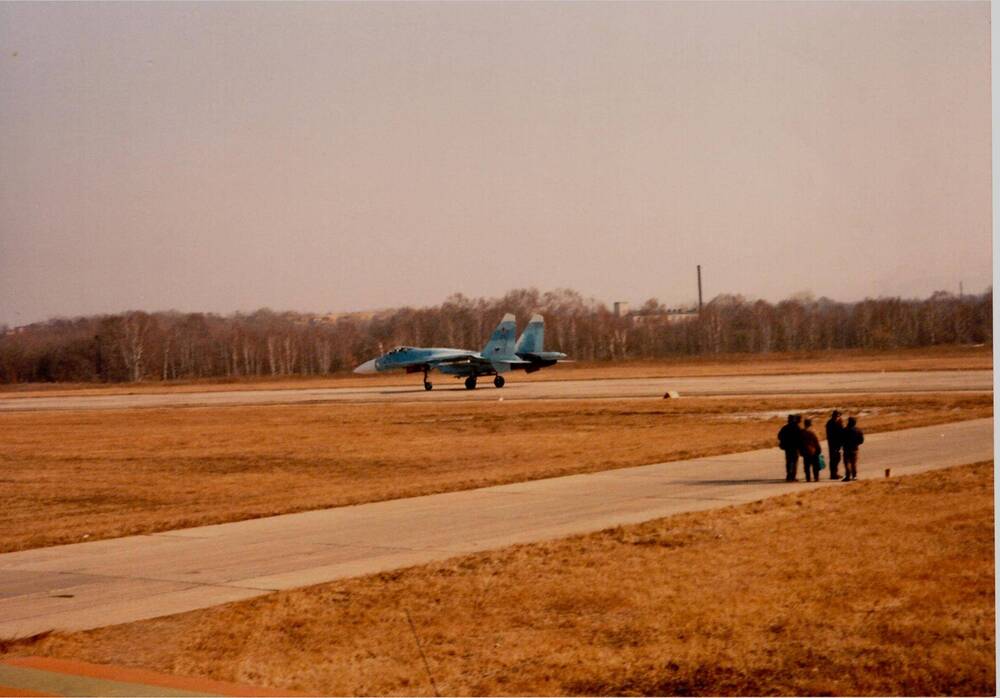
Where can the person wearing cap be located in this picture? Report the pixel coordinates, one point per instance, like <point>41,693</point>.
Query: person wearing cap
<point>835,441</point>
<point>853,438</point>
<point>789,440</point>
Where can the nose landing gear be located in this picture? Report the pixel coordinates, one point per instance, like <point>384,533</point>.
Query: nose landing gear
<point>427,384</point>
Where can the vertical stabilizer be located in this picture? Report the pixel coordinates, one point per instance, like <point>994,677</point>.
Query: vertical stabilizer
<point>501,344</point>
<point>533,336</point>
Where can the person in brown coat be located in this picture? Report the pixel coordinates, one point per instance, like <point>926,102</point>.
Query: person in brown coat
<point>810,449</point>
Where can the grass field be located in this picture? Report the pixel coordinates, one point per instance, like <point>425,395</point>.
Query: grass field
<point>882,587</point>
<point>925,359</point>
<point>73,476</point>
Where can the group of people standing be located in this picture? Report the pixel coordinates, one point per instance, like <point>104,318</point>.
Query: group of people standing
<point>798,439</point>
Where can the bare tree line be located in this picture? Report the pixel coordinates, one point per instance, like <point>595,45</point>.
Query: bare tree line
<point>138,346</point>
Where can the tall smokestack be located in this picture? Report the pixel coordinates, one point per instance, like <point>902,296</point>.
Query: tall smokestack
<point>699,288</point>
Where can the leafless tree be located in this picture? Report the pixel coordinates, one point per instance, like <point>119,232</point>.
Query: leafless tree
<point>138,346</point>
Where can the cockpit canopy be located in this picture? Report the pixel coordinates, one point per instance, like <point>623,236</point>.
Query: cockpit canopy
<point>397,350</point>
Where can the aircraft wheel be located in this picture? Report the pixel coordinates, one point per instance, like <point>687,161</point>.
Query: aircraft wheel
<point>499,381</point>
<point>428,385</point>
<point>470,383</point>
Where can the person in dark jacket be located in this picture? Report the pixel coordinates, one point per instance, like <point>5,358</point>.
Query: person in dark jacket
<point>853,438</point>
<point>835,441</point>
<point>789,439</point>
<point>810,449</point>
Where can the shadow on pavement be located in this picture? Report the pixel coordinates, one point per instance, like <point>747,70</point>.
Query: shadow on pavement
<point>751,481</point>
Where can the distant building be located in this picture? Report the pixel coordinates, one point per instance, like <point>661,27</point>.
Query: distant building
<point>670,315</point>
<point>332,318</point>
<point>659,315</point>
<point>681,314</point>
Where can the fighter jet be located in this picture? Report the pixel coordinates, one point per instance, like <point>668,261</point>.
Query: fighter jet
<point>500,355</point>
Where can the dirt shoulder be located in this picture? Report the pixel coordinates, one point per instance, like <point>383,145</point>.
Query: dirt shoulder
<point>925,359</point>
<point>874,588</point>
<point>73,476</point>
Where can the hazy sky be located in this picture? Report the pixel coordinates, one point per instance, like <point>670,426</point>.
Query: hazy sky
<point>312,156</point>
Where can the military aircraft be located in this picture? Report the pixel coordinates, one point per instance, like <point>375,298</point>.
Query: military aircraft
<point>500,355</point>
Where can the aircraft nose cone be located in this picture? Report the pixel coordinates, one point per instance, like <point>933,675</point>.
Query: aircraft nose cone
<point>366,367</point>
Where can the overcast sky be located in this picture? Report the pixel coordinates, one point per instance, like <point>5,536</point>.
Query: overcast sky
<point>316,157</point>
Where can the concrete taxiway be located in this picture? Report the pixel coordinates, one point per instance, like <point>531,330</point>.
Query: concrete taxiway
<point>447,389</point>
<point>114,581</point>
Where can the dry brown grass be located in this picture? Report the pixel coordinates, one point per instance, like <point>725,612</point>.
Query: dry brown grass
<point>925,359</point>
<point>876,588</point>
<point>70,476</point>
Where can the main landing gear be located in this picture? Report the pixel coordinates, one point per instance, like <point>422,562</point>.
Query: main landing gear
<point>470,382</point>
<point>427,384</point>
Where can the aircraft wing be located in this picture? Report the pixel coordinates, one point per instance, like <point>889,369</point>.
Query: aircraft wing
<point>478,361</point>
<point>499,365</point>
<point>413,360</point>
<point>482,360</point>
<point>451,358</point>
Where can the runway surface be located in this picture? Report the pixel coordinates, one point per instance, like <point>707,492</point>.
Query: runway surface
<point>445,389</point>
<point>107,582</point>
